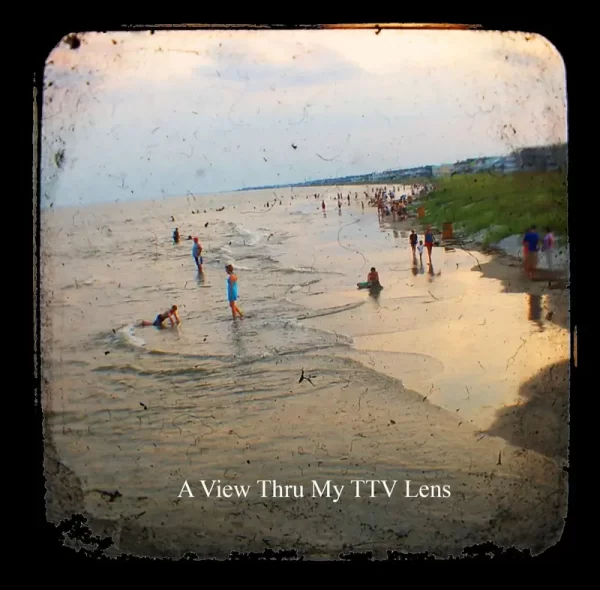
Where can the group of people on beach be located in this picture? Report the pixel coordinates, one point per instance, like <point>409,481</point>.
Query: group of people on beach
<point>419,247</point>
<point>380,199</point>
<point>340,201</point>
<point>387,203</point>
<point>416,246</point>
<point>532,244</point>
<point>232,287</point>
<point>232,280</point>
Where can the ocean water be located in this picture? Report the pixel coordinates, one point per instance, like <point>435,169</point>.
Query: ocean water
<point>402,386</point>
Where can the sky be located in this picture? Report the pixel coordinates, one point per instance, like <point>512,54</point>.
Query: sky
<point>137,115</point>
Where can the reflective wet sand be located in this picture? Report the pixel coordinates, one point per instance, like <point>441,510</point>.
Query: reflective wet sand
<point>457,377</point>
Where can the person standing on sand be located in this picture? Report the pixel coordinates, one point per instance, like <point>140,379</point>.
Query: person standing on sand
<point>524,246</point>
<point>530,246</point>
<point>548,247</point>
<point>176,236</point>
<point>197,254</point>
<point>429,242</point>
<point>323,206</point>
<point>232,292</point>
<point>420,249</point>
<point>413,239</point>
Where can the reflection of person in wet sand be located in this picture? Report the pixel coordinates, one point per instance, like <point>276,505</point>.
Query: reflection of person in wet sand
<point>535,309</point>
<point>161,317</point>
<point>430,273</point>
<point>238,343</point>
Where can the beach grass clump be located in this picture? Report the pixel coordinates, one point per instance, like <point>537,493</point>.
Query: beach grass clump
<point>499,206</point>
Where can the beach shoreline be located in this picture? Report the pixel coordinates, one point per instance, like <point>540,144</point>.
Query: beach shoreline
<point>506,262</point>
<point>233,408</point>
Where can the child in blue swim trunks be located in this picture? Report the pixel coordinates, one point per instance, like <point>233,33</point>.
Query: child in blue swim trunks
<point>161,317</point>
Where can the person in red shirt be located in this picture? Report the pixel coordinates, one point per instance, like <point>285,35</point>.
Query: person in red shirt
<point>373,277</point>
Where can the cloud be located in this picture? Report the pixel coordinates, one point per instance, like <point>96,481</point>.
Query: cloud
<point>247,59</point>
<point>159,108</point>
<point>308,69</point>
<point>124,59</point>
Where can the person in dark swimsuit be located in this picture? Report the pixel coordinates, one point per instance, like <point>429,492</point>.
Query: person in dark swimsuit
<point>161,317</point>
<point>413,239</point>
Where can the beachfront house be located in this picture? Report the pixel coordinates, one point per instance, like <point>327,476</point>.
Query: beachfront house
<point>442,170</point>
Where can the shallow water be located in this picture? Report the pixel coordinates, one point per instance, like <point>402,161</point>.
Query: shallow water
<point>141,410</point>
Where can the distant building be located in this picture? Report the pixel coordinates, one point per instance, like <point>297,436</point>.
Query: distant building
<point>546,158</point>
<point>442,170</point>
<point>511,163</point>
<point>422,171</point>
<point>541,159</point>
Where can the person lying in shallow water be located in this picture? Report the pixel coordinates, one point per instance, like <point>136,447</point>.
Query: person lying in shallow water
<point>161,317</point>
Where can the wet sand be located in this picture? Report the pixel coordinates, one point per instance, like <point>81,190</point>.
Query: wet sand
<point>458,379</point>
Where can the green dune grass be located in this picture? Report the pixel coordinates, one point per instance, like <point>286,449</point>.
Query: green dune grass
<point>498,205</point>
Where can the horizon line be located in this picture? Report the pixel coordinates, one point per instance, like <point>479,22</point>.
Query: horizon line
<point>297,183</point>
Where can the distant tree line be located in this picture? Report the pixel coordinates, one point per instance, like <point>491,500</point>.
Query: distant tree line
<point>531,159</point>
